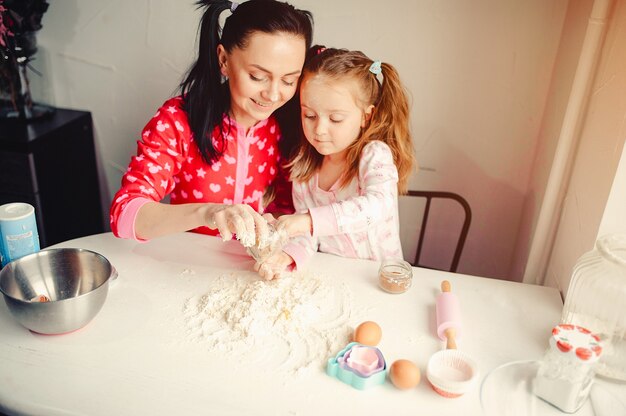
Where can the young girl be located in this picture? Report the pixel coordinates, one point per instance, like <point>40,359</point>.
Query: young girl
<point>357,156</point>
<point>216,148</point>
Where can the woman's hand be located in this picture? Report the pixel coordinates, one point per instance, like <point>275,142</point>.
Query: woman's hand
<point>269,218</point>
<point>295,224</point>
<point>274,266</point>
<point>238,219</point>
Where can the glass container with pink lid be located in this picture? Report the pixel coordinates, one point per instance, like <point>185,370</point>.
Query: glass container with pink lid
<point>596,300</point>
<point>566,372</point>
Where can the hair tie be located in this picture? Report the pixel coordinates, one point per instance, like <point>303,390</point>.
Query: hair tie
<point>375,68</point>
<point>320,50</point>
<point>233,6</point>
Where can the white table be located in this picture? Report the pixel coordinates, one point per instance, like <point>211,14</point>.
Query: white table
<point>131,359</point>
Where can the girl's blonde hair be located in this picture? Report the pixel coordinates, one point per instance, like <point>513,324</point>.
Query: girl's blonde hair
<point>389,121</point>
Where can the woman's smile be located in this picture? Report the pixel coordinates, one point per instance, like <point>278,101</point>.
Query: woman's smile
<point>260,104</point>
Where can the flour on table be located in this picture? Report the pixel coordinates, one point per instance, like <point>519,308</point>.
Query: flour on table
<point>293,324</point>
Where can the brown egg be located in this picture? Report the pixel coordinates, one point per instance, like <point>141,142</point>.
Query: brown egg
<point>368,333</point>
<point>404,374</point>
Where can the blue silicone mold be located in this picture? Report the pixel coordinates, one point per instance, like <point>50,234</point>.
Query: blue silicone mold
<point>334,368</point>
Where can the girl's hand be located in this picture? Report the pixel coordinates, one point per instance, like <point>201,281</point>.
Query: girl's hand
<point>295,224</point>
<point>238,219</point>
<point>274,266</point>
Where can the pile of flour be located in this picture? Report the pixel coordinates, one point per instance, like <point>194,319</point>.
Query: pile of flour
<point>293,324</point>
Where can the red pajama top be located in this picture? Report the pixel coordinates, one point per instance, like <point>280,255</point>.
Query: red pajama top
<point>168,161</point>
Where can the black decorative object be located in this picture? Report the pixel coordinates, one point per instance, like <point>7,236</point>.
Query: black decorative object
<point>51,164</point>
<point>19,22</point>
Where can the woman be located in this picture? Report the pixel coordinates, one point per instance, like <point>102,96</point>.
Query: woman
<point>216,149</point>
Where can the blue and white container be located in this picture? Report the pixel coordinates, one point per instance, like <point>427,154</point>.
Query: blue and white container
<point>18,230</point>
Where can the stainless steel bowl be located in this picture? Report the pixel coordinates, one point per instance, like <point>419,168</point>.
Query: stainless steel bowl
<point>74,280</point>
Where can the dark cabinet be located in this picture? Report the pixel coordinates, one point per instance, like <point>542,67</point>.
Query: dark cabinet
<point>51,164</point>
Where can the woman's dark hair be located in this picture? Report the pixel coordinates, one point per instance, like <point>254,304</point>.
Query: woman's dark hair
<point>205,97</point>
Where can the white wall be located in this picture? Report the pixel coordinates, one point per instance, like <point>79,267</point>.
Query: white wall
<point>594,195</point>
<point>613,218</point>
<point>478,70</point>
<point>572,36</point>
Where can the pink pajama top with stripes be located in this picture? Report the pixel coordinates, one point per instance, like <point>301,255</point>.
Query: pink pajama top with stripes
<point>359,220</point>
<point>168,161</point>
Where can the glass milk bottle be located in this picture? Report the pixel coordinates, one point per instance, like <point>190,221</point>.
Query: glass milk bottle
<point>596,300</point>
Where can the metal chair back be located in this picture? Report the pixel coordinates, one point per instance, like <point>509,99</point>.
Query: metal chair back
<point>429,196</point>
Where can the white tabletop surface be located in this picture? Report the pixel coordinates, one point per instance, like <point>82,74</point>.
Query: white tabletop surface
<point>134,358</point>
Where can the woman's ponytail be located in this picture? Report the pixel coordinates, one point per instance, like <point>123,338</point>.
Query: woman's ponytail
<point>205,98</point>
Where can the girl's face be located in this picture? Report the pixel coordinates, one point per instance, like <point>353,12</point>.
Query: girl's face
<point>263,76</point>
<point>331,116</point>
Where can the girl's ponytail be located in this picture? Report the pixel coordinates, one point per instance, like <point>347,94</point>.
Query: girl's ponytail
<point>390,122</point>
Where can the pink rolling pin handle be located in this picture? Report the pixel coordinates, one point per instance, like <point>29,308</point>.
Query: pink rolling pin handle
<point>448,315</point>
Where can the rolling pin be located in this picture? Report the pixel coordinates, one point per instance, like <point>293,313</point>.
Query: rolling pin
<point>448,316</point>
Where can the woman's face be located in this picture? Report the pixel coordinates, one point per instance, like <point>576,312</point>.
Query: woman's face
<point>263,76</point>
<point>331,116</point>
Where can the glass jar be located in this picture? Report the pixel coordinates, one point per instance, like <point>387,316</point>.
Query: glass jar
<point>395,276</point>
<point>566,372</point>
<point>596,299</point>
